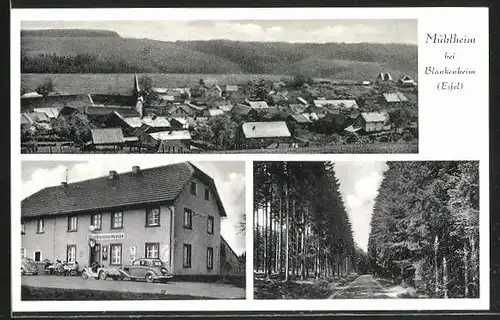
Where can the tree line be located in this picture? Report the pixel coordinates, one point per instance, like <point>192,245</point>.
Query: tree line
<point>425,227</point>
<point>301,228</point>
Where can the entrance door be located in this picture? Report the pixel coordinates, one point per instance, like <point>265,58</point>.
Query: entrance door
<point>95,254</point>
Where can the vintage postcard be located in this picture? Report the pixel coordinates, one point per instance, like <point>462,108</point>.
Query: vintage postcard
<point>251,159</point>
<point>152,232</point>
<point>218,86</point>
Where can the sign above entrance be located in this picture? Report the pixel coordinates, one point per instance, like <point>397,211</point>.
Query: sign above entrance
<point>107,236</point>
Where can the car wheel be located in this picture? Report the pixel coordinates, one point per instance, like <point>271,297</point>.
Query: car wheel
<point>22,272</point>
<point>102,275</point>
<point>85,275</point>
<point>149,277</point>
<point>35,273</point>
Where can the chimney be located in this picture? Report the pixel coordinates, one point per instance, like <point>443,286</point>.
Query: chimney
<point>136,169</point>
<point>112,175</point>
<point>64,184</point>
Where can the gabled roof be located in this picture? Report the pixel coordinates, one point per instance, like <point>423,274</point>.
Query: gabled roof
<point>265,129</point>
<point>25,119</point>
<point>215,112</point>
<point>187,109</point>
<point>37,116</point>
<point>257,104</point>
<point>126,112</point>
<point>344,104</point>
<point>50,112</point>
<point>297,108</point>
<point>384,76</point>
<point>374,116</point>
<point>240,109</point>
<point>137,122</point>
<point>107,136</point>
<point>154,185</point>
<point>302,101</point>
<point>300,118</point>
<point>231,87</point>
<point>395,97</point>
<point>225,108</point>
<point>33,94</point>
<point>171,135</point>
<point>406,78</point>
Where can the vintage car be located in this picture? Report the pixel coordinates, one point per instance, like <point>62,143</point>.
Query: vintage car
<point>99,271</point>
<point>150,269</point>
<point>28,266</point>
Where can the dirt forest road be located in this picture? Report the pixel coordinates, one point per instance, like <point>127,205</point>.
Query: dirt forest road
<point>363,287</point>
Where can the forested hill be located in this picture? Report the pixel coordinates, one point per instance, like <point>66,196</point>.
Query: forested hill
<point>69,33</point>
<point>426,215</point>
<point>97,51</point>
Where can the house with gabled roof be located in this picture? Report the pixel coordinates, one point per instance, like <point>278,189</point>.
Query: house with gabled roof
<point>383,77</point>
<point>107,137</point>
<point>256,135</point>
<point>372,122</point>
<point>172,213</point>
<point>406,81</point>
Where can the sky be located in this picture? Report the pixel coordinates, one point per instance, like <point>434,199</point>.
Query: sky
<point>359,184</point>
<point>317,31</point>
<point>229,179</point>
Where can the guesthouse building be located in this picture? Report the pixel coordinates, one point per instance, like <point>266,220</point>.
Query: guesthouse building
<point>171,212</point>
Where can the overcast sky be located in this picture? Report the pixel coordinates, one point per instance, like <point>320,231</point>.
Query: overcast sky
<point>359,184</point>
<point>229,178</point>
<point>319,31</point>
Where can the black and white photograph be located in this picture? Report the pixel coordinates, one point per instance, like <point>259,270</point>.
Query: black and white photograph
<point>366,230</point>
<point>117,230</point>
<point>219,86</point>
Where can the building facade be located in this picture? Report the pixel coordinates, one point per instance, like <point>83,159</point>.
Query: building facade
<point>172,213</point>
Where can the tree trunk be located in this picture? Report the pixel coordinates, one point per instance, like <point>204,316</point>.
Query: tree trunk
<point>287,252</point>
<point>270,245</point>
<point>445,278</point>
<point>264,257</point>
<point>302,252</point>
<point>436,270</point>
<point>280,264</point>
<point>466,272</point>
<point>257,241</point>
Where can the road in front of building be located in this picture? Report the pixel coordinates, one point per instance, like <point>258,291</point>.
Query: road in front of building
<point>363,287</point>
<point>196,289</point>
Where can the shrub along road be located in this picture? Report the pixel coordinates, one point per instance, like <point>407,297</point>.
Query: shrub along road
<point>195,289</point>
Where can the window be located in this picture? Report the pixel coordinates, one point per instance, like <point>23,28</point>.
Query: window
<point>207,194</point>
<point>193,188</point>
<point>186,256</point>
<point>37,256</point>
<point>23,253</point>
<point>210,225</point>
<point>117,220</point>
<point>152,250</point>
<point>40,226</point>
<point>152,217</point>
<point>71,253</point>
<point>210,258</point>
<point>116,254</point>
<point>73,223</point>
<point>96,221</point>
<point>22,228</point>
<point>188,218</point>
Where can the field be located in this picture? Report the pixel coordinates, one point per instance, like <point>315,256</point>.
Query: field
<point>122,83</point>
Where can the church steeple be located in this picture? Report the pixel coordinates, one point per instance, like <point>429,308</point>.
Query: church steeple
<point>137,89</point>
